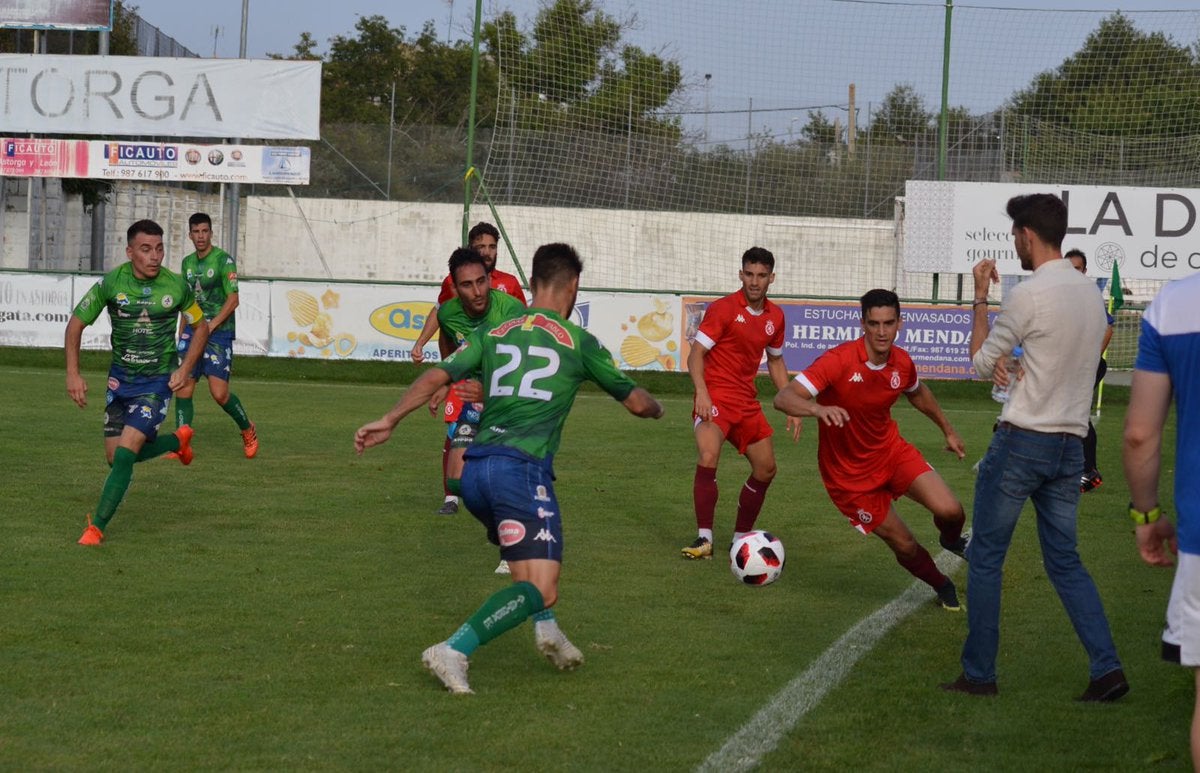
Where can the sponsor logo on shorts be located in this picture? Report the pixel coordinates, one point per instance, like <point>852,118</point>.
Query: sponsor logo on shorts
<point>510,532</point>
<point>147,412</point>
<point>540,494</point>
<point>544,535</point>
<point>864,516</point>
<point>543,513</point>
<point>113,383</point>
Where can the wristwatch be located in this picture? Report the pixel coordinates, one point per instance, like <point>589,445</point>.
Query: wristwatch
<point>1140,518</point>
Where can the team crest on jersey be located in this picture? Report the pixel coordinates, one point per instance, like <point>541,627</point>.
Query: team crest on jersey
<point>146,290</point>
<point>168,301</point>
<point>209,273</point>
<point>895,382</point>
<point>770,328</point>
<point>863,516</point>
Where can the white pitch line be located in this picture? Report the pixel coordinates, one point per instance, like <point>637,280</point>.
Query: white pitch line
<point>759,736</point>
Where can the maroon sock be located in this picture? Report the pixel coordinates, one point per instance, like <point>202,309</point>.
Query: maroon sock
<point>750,503</point>
<point>950,530</point>
<point>922,567</point>
<point>445,462</point>
<point>704,493</point>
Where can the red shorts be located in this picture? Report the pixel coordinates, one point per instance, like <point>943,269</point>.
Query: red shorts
<point>453,407</point>
<point>741,422</point>
<point>867,503</point>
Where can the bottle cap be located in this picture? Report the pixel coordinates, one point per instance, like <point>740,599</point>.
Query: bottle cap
<point>1018,351</point>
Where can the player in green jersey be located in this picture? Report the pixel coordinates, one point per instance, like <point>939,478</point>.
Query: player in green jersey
<point>212,274</point>
<point>474,305</point>
<point>143,299</point>
<point>532,367</point>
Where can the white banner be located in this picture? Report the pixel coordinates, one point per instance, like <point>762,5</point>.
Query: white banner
<point>144,96</point>
<point>1149,232</point>
<point>153,161</point>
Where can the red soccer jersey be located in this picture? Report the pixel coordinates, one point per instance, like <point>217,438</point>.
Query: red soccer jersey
<point>856,451</point>
<point>736,337</point>
<point>505,283</point>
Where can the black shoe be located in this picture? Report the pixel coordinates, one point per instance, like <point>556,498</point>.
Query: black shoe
<point>1090,481</point>
<point>964,685</point>
<point>948,597</point>
<point>449,507</point>
<point>1106,689</point>
<point>959,546</point>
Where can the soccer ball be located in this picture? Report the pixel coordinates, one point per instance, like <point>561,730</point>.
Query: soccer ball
<point>756,558</point>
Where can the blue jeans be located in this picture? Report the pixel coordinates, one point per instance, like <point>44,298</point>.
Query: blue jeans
<point>1045,468</point>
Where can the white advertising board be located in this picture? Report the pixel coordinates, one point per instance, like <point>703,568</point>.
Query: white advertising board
<point>161,96</point>
<point>1151,233</point>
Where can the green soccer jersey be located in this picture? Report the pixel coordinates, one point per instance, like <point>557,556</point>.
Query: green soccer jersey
<point>143,314</point>
<point>532,367</point>
<point>212,278</point>
<point>453,318</point>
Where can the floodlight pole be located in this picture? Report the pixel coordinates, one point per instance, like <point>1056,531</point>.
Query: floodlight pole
<point>235,202</point>
<point>470,170</point>
<point>98,209</point>
<point>943,127</point>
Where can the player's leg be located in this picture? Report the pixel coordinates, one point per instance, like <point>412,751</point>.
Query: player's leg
<point>753,435</point>
<point>912,555</point>
<point>1090,479</point>
<point>184,407</point>
<point>121,446</point>
<point>710,436</point>
<point>218,367</point>
<point>930,491</point>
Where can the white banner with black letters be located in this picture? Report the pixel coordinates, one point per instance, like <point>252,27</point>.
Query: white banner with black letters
<point>160,96</point>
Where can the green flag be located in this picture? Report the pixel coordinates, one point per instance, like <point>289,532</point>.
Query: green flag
<point>1116,296</point>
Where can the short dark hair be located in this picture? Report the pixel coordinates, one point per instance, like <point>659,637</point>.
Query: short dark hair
<point>199,218</point>
<point>464,256</point>
<point>555,264</point>
<point>758,255</point>
<point>1043,213</point>
<point>479,229</point>
<point>874,299</point>
<point>148,227</point>
<point>1077,253</point>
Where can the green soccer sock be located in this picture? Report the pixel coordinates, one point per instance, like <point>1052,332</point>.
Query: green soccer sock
<point>184,411</point>
<point>233,406</point>
<point>115,486</point>
<point>504,611</point>
<point>160,445</point>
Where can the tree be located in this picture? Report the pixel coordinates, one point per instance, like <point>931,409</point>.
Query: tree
<point>901,117</point>
<point>1122,82</point>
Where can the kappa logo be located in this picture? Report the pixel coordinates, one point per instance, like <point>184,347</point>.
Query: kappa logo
<point>544,535</point>
<point>864,516</point>
<point>510,532</point>
<point>895,382</point>
<point>856,378</point>
<point>740,318</point>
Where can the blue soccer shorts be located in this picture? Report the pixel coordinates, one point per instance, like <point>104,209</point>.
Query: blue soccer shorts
<point>216,362</point>
<point>514,499</point>
<point>141,403</point>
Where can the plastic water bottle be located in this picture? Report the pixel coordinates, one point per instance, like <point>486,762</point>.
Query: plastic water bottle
<point>999,393</point>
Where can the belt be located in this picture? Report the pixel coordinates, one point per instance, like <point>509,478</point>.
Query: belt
<point>1010,426</point>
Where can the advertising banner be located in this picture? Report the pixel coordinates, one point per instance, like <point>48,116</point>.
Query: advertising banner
<point>94,15</point>
<point>34,309</point>
<point>168,162</point>
<point>1149,232</point>
<point>162,96</point>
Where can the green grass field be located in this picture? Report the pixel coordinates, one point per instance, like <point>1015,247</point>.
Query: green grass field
<point>270,614</point>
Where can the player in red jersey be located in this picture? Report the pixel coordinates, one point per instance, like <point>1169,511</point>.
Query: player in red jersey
<point>484,238</point>
<point>723,364</point>
<point>864,462</point>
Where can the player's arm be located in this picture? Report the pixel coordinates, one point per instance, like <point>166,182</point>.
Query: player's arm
<point>777,370</point>
<point>797,400</point>
<point>76,384</point>
<point>643,405</point>
<point>1149,402</point>
<point>417,394</point>
<point>225,312</point>
<point>200,332</point>
<point>695,365</point>
<point>923,400</point>
<point>427,332</point>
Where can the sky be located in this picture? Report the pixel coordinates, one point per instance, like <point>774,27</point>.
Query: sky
<point>740,44</point>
